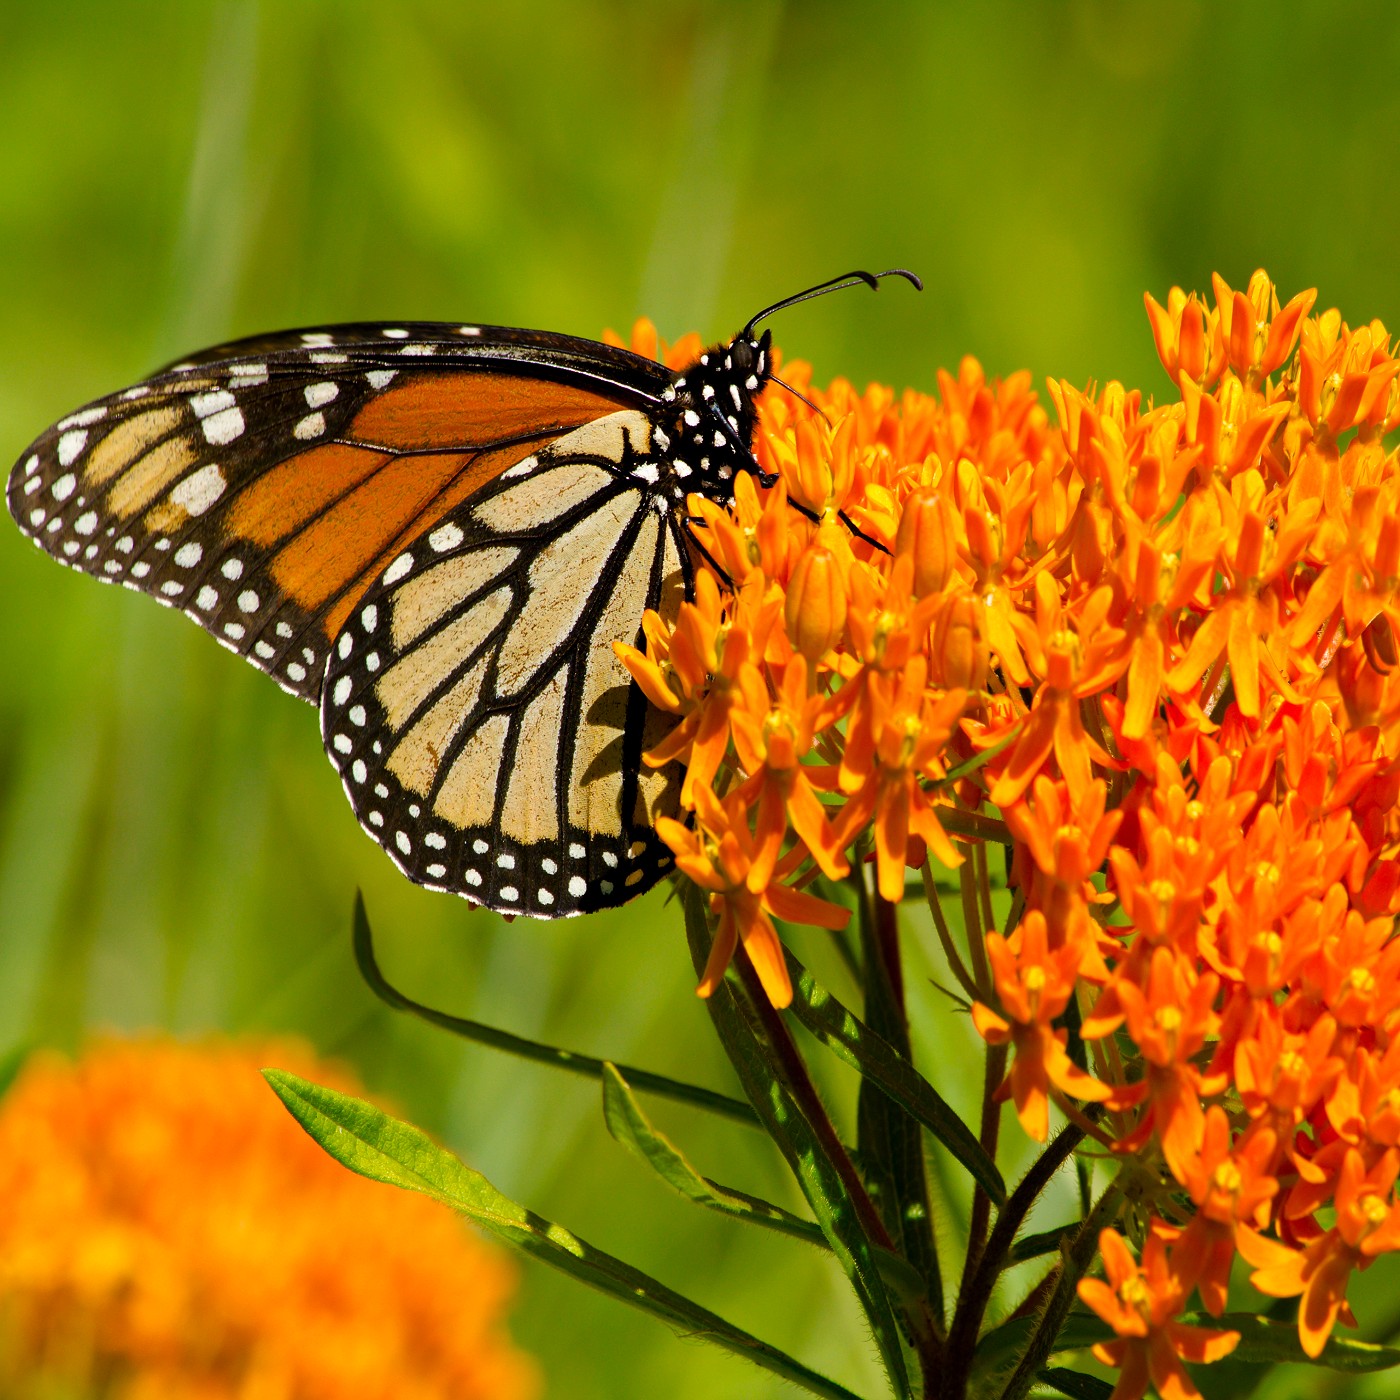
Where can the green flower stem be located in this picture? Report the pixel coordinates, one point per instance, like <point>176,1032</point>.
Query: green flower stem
<point>890,1138</point>
<point>791,1070</point>
<point>945,934</point>
<point>573,1063</point>
<point>976,1291</point>
<point>1076,1260</point>
<point>774,1077</point>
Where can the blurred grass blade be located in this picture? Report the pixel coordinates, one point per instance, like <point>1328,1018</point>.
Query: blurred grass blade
<point>586,1065</point>
<point>369,1142</point>
<point>630,1126</point>
<point>842,1032</point>
<point>1266,1342</point>
<point>756,1061</point>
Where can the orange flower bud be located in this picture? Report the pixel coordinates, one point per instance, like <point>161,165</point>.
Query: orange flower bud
<point>960,653</point>
<point>926,533</point>
<point>816,603</point>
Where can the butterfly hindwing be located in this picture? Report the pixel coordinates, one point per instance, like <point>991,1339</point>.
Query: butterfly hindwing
<point>261,487</point>
<point>487,735</point>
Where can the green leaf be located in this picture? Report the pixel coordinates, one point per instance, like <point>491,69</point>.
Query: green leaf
<point>890,1139</point>
<point>1266,1342</point>
<point>1005,1343</point>
<point>1042,1243</point>
<point>551,1055</point>
<point>842,1032</point>
<point>1076,1384</point>
<point>630,1126</point>
<point>805,1142</point>
<point>369,1142</point>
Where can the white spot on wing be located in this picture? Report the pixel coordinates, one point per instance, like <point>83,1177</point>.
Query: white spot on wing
<point>312,426</point>
<point>319,394</point>
<point>222,428</point>
<point>198,491</point>
<point>343,687</point>
<point>84,417</point>
<point>380,378</point>
<point>70,444</point>
<point>248,601</point>
<point>445,537</point>
<point>188,555</point>
<point>206,598</point>
<point>401,566</point>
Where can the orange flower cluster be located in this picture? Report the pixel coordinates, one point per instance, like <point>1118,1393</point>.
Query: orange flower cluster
<point>166,1230</point>
<point>1171,633</point>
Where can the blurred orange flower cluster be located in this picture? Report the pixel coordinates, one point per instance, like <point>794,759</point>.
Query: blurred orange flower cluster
<point>1171,635</point>
<point>166,1230</point>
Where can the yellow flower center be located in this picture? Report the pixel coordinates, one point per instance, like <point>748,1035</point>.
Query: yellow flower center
<point>1374,1211</point>
<point>884,625</point>
<point>1291,1065</point>
<point>1269,873</point>
<point>1138,1296</point>
<point>1227,1179</point>
<point>1360,981</point>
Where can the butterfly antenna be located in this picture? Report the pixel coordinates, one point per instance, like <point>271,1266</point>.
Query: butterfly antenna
<point>846,279</point>
<point>798,394</point>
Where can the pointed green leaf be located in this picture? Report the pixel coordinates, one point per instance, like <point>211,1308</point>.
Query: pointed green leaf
<point>1042,1243</point>
<point>842,1032</point>
<point>1076,1384</point>
<point>587,1065</point>
<point>369,1142</point>
<point>889,1138</point>
<point>1265,1342</point>
<point>630,1126</point>
<point>755,1060</point>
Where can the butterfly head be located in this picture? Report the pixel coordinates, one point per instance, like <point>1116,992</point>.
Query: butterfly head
<point>711,411</point>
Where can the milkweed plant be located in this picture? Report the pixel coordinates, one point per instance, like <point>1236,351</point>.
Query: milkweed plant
<point>1113,687</point>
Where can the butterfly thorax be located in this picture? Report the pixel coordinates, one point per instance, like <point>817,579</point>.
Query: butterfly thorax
<point>705,423</point>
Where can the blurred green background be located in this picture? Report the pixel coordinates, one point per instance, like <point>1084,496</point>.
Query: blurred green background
<point>174,849</point>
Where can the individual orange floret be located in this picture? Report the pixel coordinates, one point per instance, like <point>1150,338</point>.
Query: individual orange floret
<point>1346,379</point>
<point>167,1230</point>
<point>1368,1225</point>
<point>771,736</point>
<point>1034,984</point>
<point>1169,1019</point>
<point>692,671</point>
<point>1244,618</point>
<point>1189,340</point>
<point>718,856</point>
<point>895,743</point>
<point>1071,660</point>
<point>1141,1304</point>
<point>1230,1185</point>
<point>1259,334</point>
<point>1063,844</point>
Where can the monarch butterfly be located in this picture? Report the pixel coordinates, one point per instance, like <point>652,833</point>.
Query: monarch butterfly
<point>434,532</point>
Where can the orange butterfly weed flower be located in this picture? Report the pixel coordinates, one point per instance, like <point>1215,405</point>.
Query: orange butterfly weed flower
<point>166,1229</point>
<point>1140,1303</point>
<point>1158,642</point>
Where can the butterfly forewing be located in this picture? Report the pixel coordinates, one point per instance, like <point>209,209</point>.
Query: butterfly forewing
<point>486,734</point>
<point>262,486</point>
